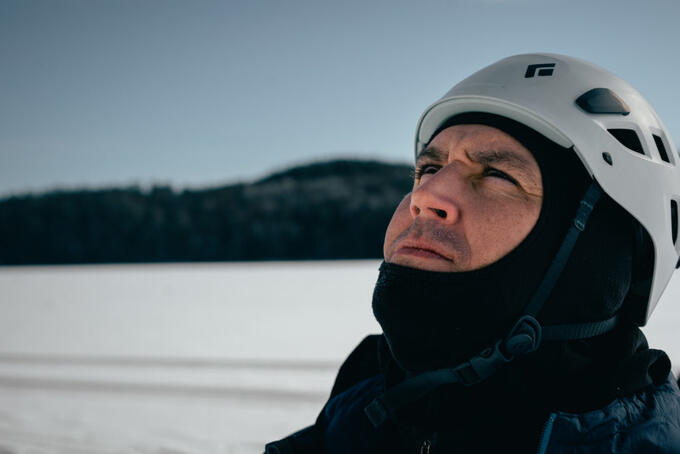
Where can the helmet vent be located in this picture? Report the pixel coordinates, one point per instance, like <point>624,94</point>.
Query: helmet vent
<point>628,138</point>
<point>662,149</point>
<point>601,101</point>
<point>674,221</point>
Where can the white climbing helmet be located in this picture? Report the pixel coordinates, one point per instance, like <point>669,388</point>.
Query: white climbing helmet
<point>615,132</point>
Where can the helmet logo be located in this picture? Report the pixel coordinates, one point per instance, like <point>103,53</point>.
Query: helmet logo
<point>544,69</point>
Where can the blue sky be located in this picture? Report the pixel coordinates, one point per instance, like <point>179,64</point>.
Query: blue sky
<point>100,93</point>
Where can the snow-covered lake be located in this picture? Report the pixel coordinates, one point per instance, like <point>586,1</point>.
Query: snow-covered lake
<point>186,358</point>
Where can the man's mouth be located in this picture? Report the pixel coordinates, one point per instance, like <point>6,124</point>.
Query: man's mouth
<point>420,249</point>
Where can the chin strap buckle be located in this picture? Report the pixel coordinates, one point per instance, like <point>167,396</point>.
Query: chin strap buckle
<point>482,366</point>
<point>523,338</point>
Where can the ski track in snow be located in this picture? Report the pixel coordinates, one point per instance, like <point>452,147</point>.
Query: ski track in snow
<point>186,358</point>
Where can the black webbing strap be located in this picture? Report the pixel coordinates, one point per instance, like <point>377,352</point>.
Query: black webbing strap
<point>578,330</point>
<point>407,391</point>
<point>586,206</point>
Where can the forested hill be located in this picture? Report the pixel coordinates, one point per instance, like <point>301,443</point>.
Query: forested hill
<point>327,210</point>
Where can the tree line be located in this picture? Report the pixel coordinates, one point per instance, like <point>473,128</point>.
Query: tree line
<point>326,210</point>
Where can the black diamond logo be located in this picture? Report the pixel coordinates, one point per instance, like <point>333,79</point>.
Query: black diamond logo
<point>544,69</point>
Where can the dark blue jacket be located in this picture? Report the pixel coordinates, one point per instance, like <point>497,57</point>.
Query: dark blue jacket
<point>645,422</point>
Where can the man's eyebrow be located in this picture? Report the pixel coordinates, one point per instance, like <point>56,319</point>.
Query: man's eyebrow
<point>499,157</point>
<point>433,153</point>
<point>505,157</point>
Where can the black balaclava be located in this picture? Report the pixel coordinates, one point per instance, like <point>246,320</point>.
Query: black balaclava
<point>437,319</point>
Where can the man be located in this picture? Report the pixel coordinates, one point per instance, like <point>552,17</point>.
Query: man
<point>540,233</point>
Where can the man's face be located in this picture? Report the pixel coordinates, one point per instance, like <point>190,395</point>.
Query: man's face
<point>477,194</point>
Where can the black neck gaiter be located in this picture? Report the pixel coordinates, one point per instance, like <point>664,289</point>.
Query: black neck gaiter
<point>436,319</point>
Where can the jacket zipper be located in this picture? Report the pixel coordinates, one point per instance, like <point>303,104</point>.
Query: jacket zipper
<point>545,434</point>
<point>425,447</point>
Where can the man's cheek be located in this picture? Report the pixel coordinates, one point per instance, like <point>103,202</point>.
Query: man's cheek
<point>400,221</point>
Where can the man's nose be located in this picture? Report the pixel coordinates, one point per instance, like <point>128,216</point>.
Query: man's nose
<point>435,198</point>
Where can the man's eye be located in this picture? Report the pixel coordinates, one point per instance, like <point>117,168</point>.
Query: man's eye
<point>424,170</point>
<point>491,172</point>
